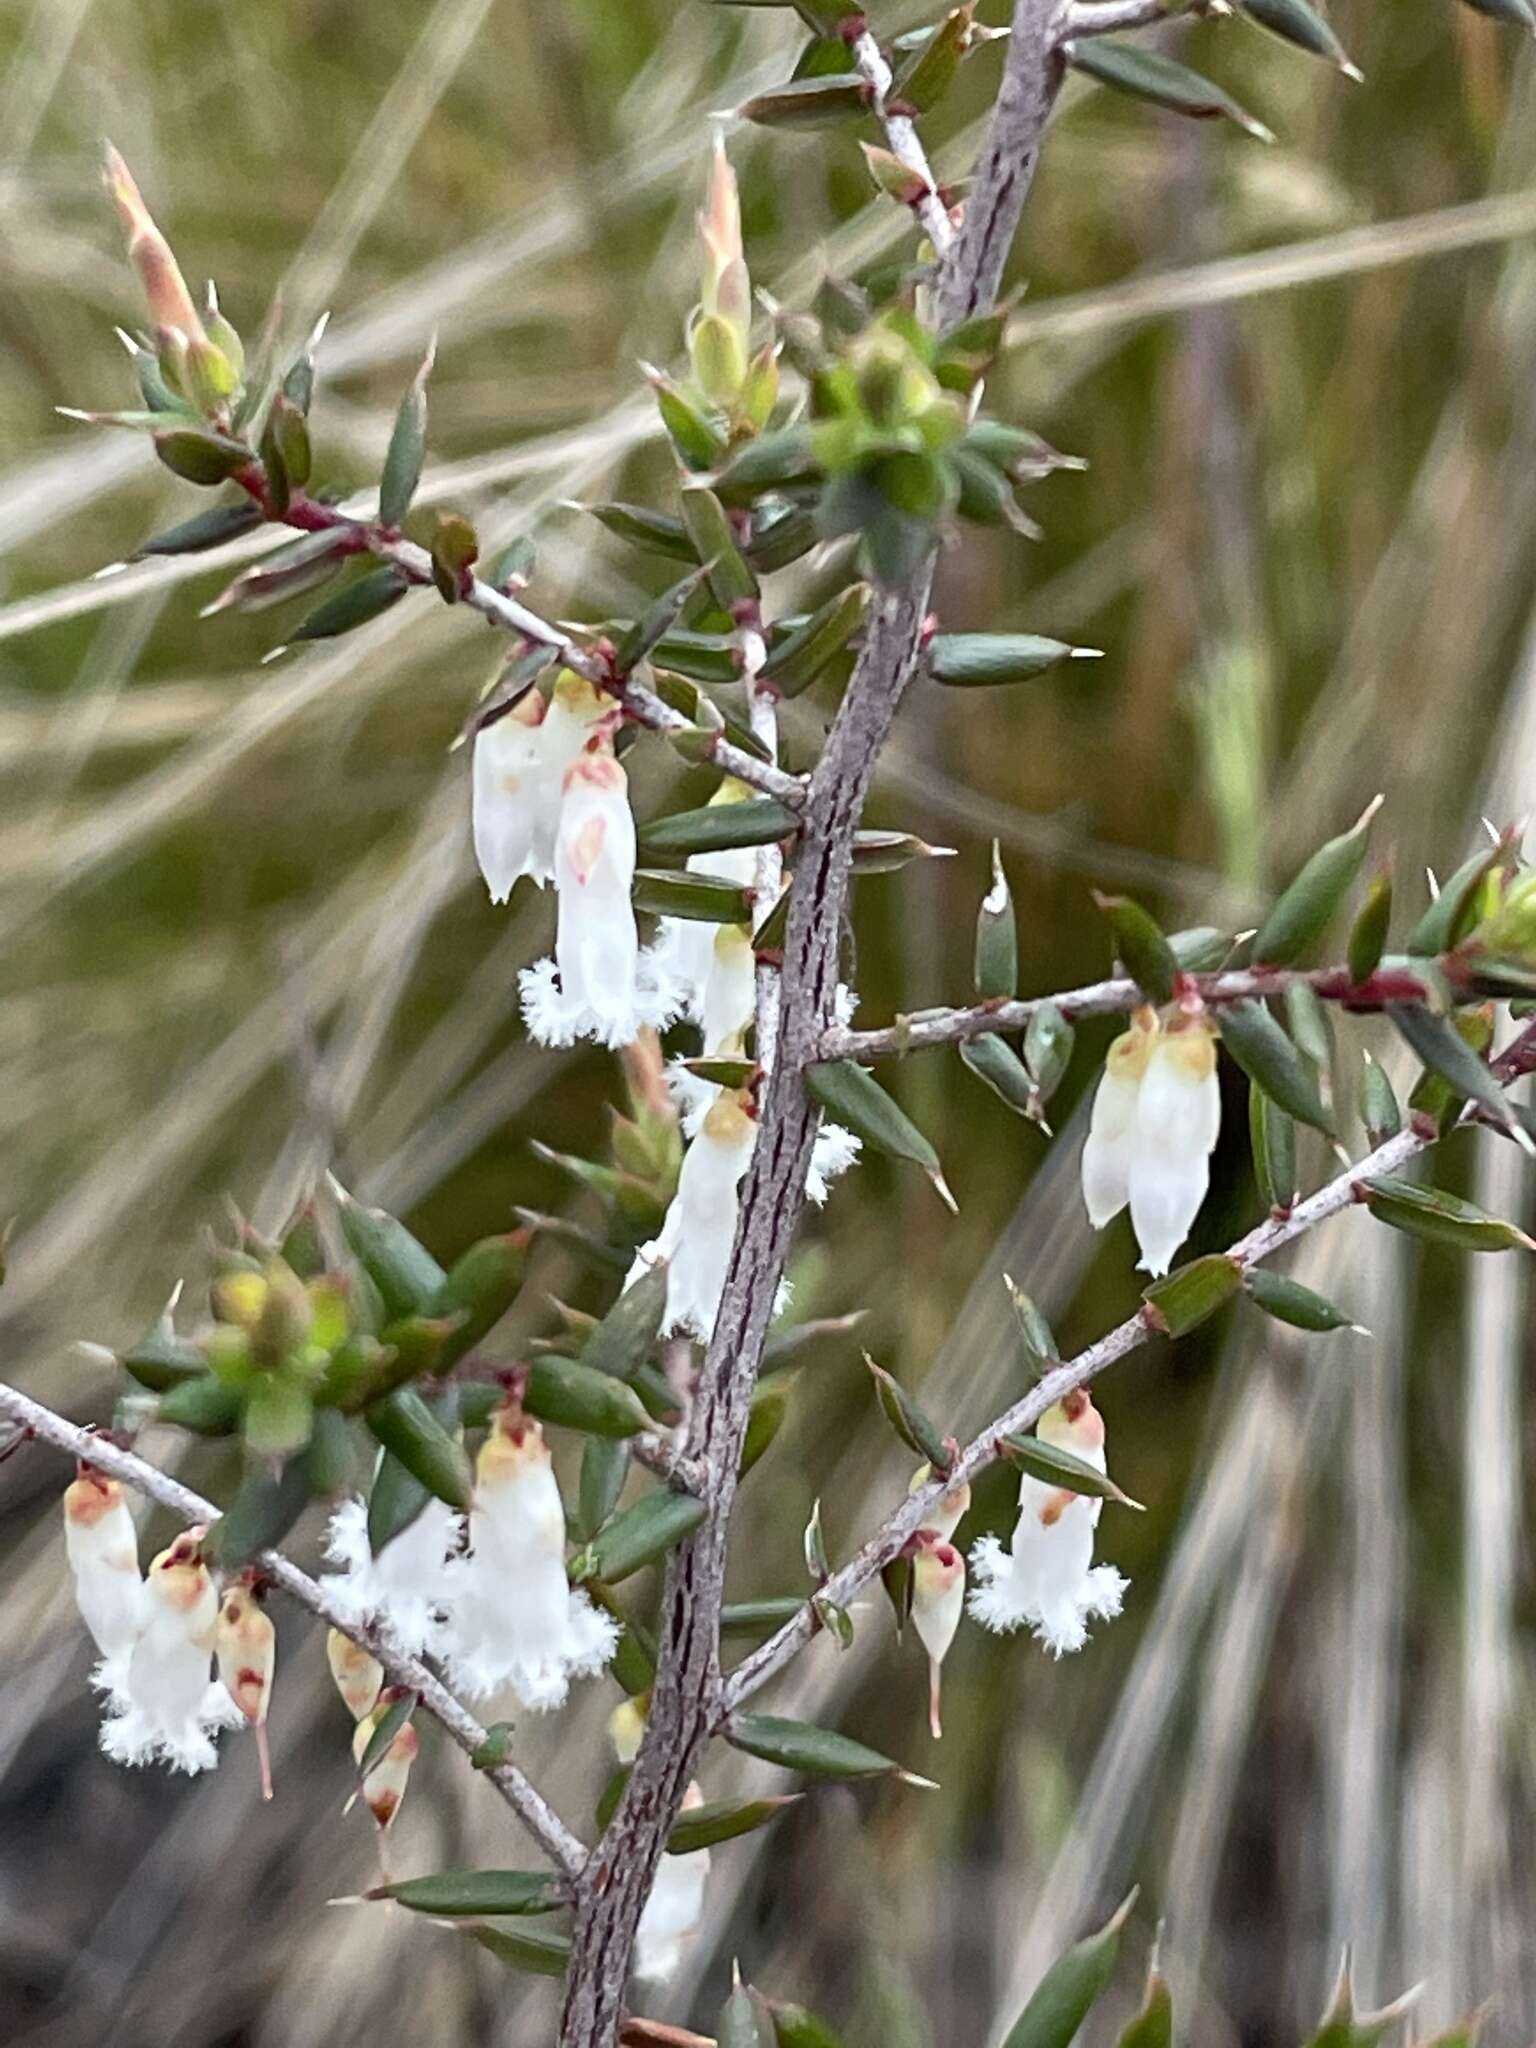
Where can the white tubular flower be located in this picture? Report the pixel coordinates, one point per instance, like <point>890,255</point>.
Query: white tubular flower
<point>938,1601</point>
<point>1178,1120</point>
<point>1048,1579</point>
<point>514,1619</point>
<point>943,1519</point>
<point>406,1585</point>
<point>384,1786</point>
<point>674,1909</point>
<point>1111,1143</point>
<point>700,1224</point>
<point>103,1552</point>
<point>358,1673</point>
<point>520,765</point>
<point>245,1646</point>
<point>170,1709</point>
<point>594,988</point>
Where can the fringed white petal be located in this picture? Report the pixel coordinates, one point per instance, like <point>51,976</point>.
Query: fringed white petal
<point>1047,1580</point>
<point>408,1582</point>
<point>833,1152</point>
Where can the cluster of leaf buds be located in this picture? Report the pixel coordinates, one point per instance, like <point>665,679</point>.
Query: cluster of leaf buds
<point>157,1635</point>
<point>675,1906</point>
<point>1156,1119</point>
<point>1047,1580</point>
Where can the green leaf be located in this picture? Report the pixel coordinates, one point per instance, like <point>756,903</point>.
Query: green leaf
<point>455,549</point>
<point>409,1279</point>
<point>797,2027</point>
<point>279,1413</point>
<point>1299,23</point>
<point>1186,1297</point>
<point>404,1424</point>
<point>544,1955</point>
<point>162,1360</point>
<point>1289,1302</point>
<point>978,660</point>
<point>199,455</point>
<point>1440,1218</point>
<point>358,605</point>
<point>1342,2027</point>
<point>265,1507</point>
<point>1272,1135</point>
<point>623,1340</point>
<point>997,938</point>
<point>805,654</point>
<point>1148,75</point>
<point>907,1417</point>
<point>771,462</point>
<point>854,1098</point>
<point>759,1617</point>
<point>929,71</point>
<point>561,1390</point>
<point>1307,907</point>
<point>407,447</point>
<point>604,1469</point>
<point>1449,917</point>
<point>801,1746</point>
<point>808,103</point>
<point>703,899</point>
<point>1517,13</point>
<point>730,576</point>
<point>644,1531</point>
<point>1048,1043</point>
<point>1153,2025</point>
<point>388,1726</point>
<point>745,2021</point>
<point>1270,1060</point>
<point>993,1060</point>
<point>474,1894</point>
<point>722,1820</point>
<point>478,1289</point>
<point>718,828</point>
<point>210,529</point>
<point>1443,1049</point>
<point>1040,1347</point>
<point>1140,946</point>
<point>656,622</point>
<point>1368,934</point>
<point>1070,1987</point>
<point>204,1405</point>
<point>1064,1469</point>
<point>1379,1110</point>
<point>327,1457</point>
<point>658,532</point>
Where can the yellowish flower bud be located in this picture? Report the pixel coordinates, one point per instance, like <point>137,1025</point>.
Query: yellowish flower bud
<point>384,1786</point>
<point>357,1673</point>
<point>245,1645</point>
<point>171,305</point>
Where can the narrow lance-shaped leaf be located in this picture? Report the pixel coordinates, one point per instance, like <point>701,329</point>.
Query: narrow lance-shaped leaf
<point>1190,1294</point>
<point>717,828</point>
<point>1272,1135</point>
<point>796,662</point>
<point>1039,1339</point>
<point>703,899</point>
<point>358,605</point>
<point>622,1341</point>
<point>1368,934</point>
<point>389,1724</point>
<point>1299,23</point>
<point>1270,1060</point>
<point>210,529</point>
<point>543,1955</point>
<point>993,1060</point>
<point>395,1499</point>
<point>730,576</point>
<point>204,1405</point>
<point>1140,946</point>
<point>854,1098</point>
<point>404,1424</point>
<point>660,533</point>
<point>656,621</point>
<point>1447,918</point>
<point>723,1820</point>
<point>759,1617</point>
<point>907,1417</point>
<point>199,455</point>
<point>1068,1990</point>
<point>1441,1218</point>
<point>1064,1469</point>
<point>478,1289</point>
<point>817,1752</point>
<point>474,1894</point>
<point>1343,2027</point>
<point>1048,1043</point>
<point>1289,1302</point>
<point>808,103</point>
<point>997,938</point>
<point>745,2021</point>
<point>797,2027</point>
<point>265,1507</point>
<point>1305,909</point>
<point>1379,1110</point>
<point>1148,75</point>
<point>929,72</point>
<point>1441,1047</point>
<point>407,1276</point>
<point>978,660</point>
<point>1152,2027</point>
<point>407,447</point>
<point>644,1531</point>
<point>565,1391</point>
<point>604,1468</point>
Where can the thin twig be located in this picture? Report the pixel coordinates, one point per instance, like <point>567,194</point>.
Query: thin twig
<point>525,1800</point>
<point>1108,17</point>
<point>1121,995</point>
<point>905,144</point>
<point>985,1448</point>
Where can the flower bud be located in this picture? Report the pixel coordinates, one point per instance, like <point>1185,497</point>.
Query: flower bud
<point>103,1552</point>
<point>384,1786</point>
<point>170,303</point>
<point>626,1727</point>
<point>943,1519</point>
<point>357,1672</point>
<point>938,1601</point>
<point>245,1645</point>
<point>726,289</point>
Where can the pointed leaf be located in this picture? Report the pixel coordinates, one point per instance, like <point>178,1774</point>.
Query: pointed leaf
<point>800,1746</point>
<point>1379,1110</point>
<point>473,1894</point>
<point>993,1060</point>
<point>1307,907</point>
<point>1070,1987</point>
<point>1148,75</point>
<point>906,1416</point>
<point>1440,1218</point>
<point>565,1391</point>
<point>1443,1049</point>
<point>997,938</point>
<point>407,448</point>
<point>210,529</point>
<point>644,1531</point>
<point>722,1820</point>
<point>704,899</point>
<point>358,605</point>
<point>404,1424</point>
<point>543,1955</point>
<point>1064,1469</point>
<point>1140,946</point>
<point>979,660</point>
<point>388,1726</point>
<point>1299,23</point>
<point>1270,1060</point>
<point>1289,1302</point>
<point>718,828</point>
<point>1272,1135</point>
<point>1190,1294</point>
<point>854,1098</point>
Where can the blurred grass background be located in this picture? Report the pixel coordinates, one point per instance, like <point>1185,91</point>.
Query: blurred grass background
<point>240,935</point>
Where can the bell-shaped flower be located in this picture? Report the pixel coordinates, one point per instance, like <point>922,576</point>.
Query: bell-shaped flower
<point>833,1150</point>
<point>384,1787</point>
<point>103,1552</point>
<point>406,1584</point>
<point>169,1707</point>
<point>945,1516</point>
<point>1156,1118</point>
<point>1047,1580</point>
<point>699,1227</point>
<point>245,1647</point>
<point>595,986</point>
<point>358,1673</point>
<point>672,1913</point>
<point>938,1601</point>
<point>514,1620</point>
<point>521,762</point>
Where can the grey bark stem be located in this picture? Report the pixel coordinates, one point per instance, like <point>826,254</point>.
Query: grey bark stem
<point>687,1698</point>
